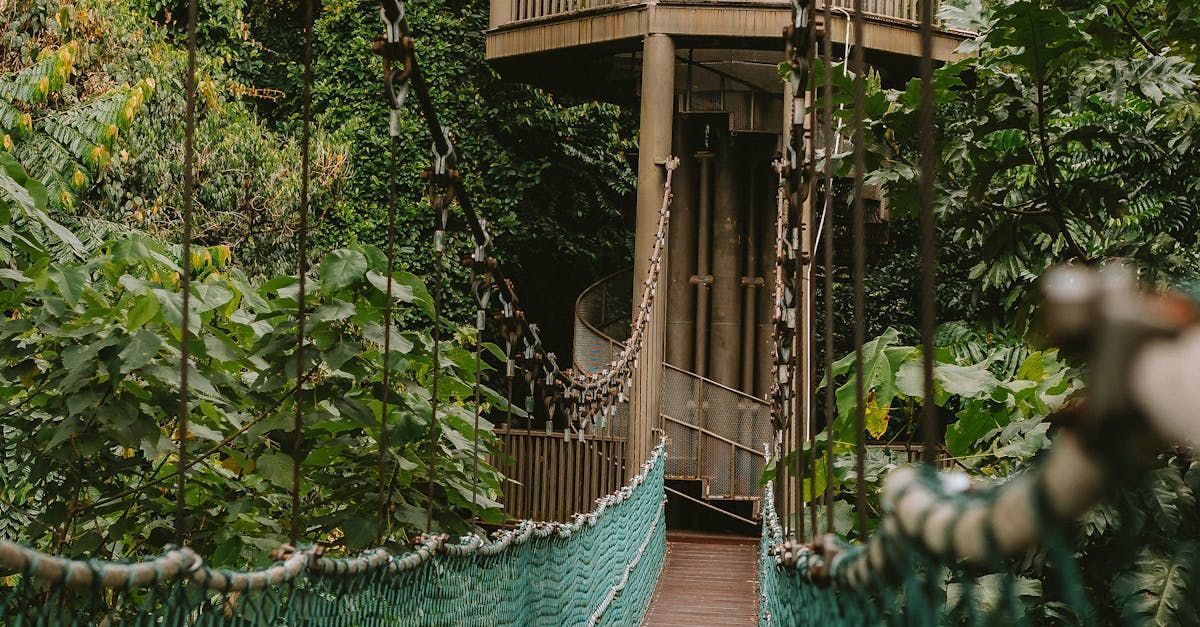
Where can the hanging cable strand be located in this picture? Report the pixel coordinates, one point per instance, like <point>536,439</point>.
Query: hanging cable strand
<point>780,346</point>
<point>399,48</point>
<point>481,289</point>
<point>929,420</point>
<point>860,265</point>
<point>185,274</point>
<point>395,92</point>
<point>827,259</point>
<point>528,373</point>
<point>810,358</point>
<point>302,251</point>
<point>441,195</point>
<point>798,43</point>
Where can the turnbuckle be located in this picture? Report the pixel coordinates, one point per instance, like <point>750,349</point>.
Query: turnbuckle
<point>394,47</point>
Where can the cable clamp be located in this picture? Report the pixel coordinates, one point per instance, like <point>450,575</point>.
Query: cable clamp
<point>441,161</point>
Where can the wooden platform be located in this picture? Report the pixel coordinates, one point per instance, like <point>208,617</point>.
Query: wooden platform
<point>706,580</point>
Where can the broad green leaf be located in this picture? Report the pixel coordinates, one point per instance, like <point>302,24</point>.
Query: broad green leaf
<point>988,595</point>
<point>360,531</point>
<point>145,308</point>
<point>14,275</point>
<point>975,420</point>
<point>373,332</point>
<point>142,348</point>
<point>1158,589</point>
<point>172,310</point>
<point>70,281</point>
<point>333,310</point>
<point>401,292</point>
<point>206,297</point>
<point>15,185</point>
<point>341,268</point>
<point>275,468</point>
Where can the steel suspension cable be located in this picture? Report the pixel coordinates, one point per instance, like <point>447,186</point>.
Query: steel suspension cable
<point>482,291</point>
<point>928,236</point>
<point>827,252</point>
<point>860,263</point>
<point>798,42</point>
<point>779,359</point>
<point>395,90</point>
<point>302,251</point>
<point>440,197</point>
<point>189,190</point>
<point>810,361</point>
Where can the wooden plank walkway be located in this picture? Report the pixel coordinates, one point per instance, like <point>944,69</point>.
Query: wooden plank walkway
<point>706,580</point>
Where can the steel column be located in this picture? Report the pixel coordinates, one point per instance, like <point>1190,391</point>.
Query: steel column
<point>681,247</point>
<point>728,240</point>
<point>751,282</point>
<point>703,277</point>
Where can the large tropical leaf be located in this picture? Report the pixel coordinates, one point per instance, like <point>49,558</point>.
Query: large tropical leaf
<point>1157,589</point>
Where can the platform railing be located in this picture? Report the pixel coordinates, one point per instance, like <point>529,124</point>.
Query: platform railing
<point>554,475</point>
<point>504,12</point>
<point>716,434</point>
<point>602,321</point>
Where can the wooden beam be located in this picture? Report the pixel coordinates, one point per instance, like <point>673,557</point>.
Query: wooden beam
<point>737,20</point>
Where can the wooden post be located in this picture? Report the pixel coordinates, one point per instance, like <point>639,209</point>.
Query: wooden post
<point>657,112</point>
<point>500,12</point>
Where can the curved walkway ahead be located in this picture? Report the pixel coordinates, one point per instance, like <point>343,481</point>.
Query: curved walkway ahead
<point>706,580</point>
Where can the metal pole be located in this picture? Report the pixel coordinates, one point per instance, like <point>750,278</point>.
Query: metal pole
<point>728,240</point>
<point>703,277</point>
<point>750,282</point>
<point>681,247</point>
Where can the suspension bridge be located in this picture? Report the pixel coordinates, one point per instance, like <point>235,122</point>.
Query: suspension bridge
<point>611,451</point>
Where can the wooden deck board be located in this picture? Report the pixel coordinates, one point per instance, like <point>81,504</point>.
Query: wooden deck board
<point>706,581</point>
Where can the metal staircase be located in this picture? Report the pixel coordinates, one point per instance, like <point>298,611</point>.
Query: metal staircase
<point>716,434</point>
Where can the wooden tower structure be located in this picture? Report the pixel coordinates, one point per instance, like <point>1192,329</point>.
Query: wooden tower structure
<point>704,75</point>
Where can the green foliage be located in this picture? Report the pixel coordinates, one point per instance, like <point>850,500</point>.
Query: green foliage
<point>89,377</point>
<point>1067,132</point>
<point>1066,135</point>
<point>1160,589</point>
<point>97,117</point>
<point>549,173</point>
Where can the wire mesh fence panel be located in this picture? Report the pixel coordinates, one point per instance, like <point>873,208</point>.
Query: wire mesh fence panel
<point>680,409</point>
<point>715,433</point>
<point>602,321</point>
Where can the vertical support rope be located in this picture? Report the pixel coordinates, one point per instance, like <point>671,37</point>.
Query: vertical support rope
<point>798,354</point>
<point>302,236</point>
<point>810,417</point>
<point>528,374</point>
<point>482,292</point>
<point>827,243</point>
<point>185,275</point>
<point>860,263</point>
<point>475,431</point>
<point>928,236</point>
<point>394,47</point>
<point>440,196</point>
<point>385,393</point>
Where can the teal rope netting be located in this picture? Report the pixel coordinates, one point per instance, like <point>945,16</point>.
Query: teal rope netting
<point>601,568</point>
<point>946,552</point>
<point>898,578</point>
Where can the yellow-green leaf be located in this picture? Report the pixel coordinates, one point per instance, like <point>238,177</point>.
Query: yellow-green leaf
<point>876,417</point>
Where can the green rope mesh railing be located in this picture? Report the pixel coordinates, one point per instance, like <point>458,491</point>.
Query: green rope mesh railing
<point>840,586</point>
<point>943,550</point>
<point>601,568</point>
